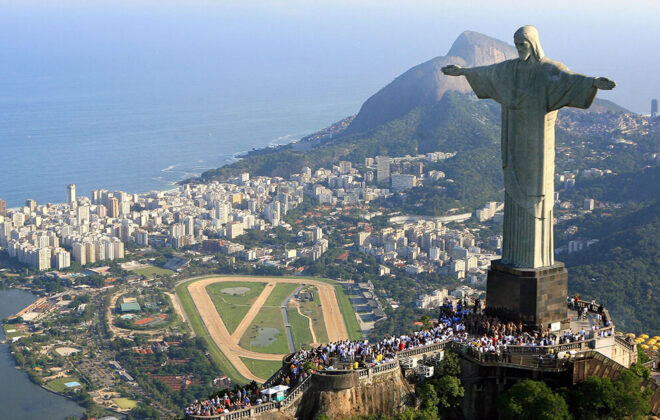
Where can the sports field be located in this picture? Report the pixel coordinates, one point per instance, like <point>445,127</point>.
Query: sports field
<point>242,321</point>
<point>152,272</point>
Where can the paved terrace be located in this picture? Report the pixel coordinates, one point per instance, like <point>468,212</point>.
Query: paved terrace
<point>557,358</point>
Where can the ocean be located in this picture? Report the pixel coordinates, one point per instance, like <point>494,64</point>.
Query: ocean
<point>149,134</point>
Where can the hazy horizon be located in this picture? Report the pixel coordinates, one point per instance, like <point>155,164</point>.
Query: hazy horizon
<point>184,43</point>
<point>136,96</point>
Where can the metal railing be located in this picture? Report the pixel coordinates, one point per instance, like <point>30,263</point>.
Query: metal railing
<point>297,392</point>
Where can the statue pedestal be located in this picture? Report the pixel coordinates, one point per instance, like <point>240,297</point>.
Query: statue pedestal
<point>534,296</point>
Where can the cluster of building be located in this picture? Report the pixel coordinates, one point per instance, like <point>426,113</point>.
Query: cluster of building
<point>429,246</point>
<point>91,229</point>
<point>96,228</point>
<point>439,297</point>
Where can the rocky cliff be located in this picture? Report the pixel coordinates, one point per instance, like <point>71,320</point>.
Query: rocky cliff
<point>387,395</point>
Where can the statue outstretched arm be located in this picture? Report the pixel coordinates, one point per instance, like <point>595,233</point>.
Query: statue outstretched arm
<point>602,83</point>
<point>453,70</point>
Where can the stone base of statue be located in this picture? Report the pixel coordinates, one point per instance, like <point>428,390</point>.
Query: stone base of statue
<point>534,296</point>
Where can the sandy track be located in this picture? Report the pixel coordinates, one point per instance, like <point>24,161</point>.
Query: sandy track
<point>228,343</point>
<point>252,313</point>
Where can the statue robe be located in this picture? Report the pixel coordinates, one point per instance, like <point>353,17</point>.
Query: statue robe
<point>530,94</point>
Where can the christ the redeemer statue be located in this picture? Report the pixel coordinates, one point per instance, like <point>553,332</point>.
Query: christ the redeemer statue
<point>530,89</point>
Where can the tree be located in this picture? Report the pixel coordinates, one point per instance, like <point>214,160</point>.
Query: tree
<point>532,400</point>
<point>450,392</point>
<point>429,401</point>
<point>622,398</point>
<point>446,382</point>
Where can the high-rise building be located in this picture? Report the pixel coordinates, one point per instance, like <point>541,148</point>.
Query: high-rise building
<point>31,204</point>
<point>71,193</point>
<point>654,108</point>
<point>60,259</point>
<point>383,169</point>
<point>79,253</point>
<point>113,207</point>
<point>3,207</point>
<point>403,182</point>
<point>142,237</point>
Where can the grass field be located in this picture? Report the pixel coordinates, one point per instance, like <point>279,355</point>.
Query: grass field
<point>352,324</point>
<point>281,292</point>
<point>268,317</point>
<point>232,309</point>
<point>125,403</point>
<point>57,385</point>
<point>313,310</point>
<point>13,334</point>
<point>200,330</point>
<point>152,272</point>
<point>302,337</point>
<point>262,368</point>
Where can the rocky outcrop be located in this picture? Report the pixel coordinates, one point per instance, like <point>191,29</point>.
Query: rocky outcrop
<point>386,394</point>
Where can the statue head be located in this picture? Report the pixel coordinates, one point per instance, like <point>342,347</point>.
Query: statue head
<point>527,43</point>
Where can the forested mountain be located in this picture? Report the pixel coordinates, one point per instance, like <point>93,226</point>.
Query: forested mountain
<point>623,269</point>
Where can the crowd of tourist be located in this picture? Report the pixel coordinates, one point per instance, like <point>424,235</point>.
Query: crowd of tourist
<point>462,323</point>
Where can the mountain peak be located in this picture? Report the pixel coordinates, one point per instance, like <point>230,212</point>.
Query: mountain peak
<point>425,83</point>
<point>478,49</point>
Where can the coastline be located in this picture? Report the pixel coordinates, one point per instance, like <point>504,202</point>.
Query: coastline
<point>25,372</point>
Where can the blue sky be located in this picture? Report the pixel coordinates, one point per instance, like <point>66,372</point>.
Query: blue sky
<point>374,41</point>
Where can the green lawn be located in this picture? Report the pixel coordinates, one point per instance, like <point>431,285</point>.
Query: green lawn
<point>57,385</point>
<point>347,311</point>
<point>232,308</point>
<point>200,330</point>
<point>152,272</point>
<point>281,292</point>
<point>125,403</point>
<point>300,327</point>
<point>13,334</point>
<point>268,317</point>
<point>262,368</point>
<point>313,310</point>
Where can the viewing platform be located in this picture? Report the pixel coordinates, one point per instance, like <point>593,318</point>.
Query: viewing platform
<point>600,352</point>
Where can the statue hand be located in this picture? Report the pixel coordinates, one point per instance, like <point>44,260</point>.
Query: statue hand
<point>603,83</point>
<point>452,70</point>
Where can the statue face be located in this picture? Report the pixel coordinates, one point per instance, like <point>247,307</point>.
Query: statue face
<point>524,48</point>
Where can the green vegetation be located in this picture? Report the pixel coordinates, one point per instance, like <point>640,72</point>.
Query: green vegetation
<point>532,400</point>
<point>262,368</point>
<point>302,336</point>
<point>232,308</point>
<point>152,272</point>
<point>13,334</point>
<point>125,403</point>
<point>602,398</point>
<point>279,293</point>
<point>313,310</point>
<point>57,385</point>
<point>267,329</point>
<point>352,324</point>
<point>596,398</point>
<point>622,270</point>
<point>200,330</point>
